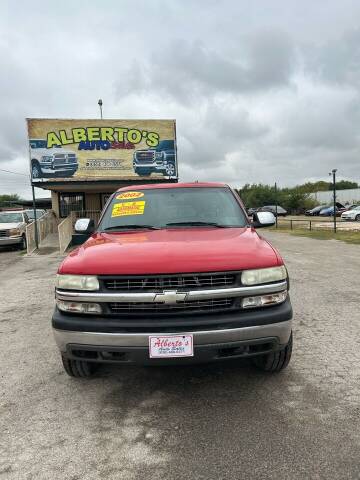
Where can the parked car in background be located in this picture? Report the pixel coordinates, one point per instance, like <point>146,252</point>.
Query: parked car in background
<point>12,228</point>
<point>251,211</point>
<point>315,211</point>
<point>276,210</point>
<point>39,214</point>
<point>350,207</point>
<point>329,211</point>
<point>353,214</point>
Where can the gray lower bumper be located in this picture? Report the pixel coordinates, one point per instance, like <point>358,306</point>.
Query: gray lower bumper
<point>280,330</point>
<point>10,241</point>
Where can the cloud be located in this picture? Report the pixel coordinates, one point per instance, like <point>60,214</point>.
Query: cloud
<point>186,71</point>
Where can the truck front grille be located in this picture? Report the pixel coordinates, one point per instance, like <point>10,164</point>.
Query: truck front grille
<point>179,282</point>
<point>63,159</point>
<point>197,306</point>
<point>145,157</point>
<point>71,158</point>
<point>4,233</point>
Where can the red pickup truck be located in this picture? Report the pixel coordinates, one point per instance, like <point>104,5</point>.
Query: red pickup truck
<point>174,273</point>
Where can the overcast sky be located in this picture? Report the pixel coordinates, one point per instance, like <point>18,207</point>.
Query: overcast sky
<point>262,91</point>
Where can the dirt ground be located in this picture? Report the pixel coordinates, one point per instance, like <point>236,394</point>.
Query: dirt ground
<point>225,421</point>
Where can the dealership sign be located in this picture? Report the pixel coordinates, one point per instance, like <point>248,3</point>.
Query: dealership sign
<point>106,149</point>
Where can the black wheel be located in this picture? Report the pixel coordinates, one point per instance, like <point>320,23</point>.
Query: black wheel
<point>357,218</point>
<point>23,244</point>
<point>78,368</point>
<point>143,172</point>
<point>36,171</point>
<point>275,361</point>
<point>170,170</point>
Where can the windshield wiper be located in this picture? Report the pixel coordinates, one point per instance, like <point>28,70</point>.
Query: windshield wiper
<point>195,224</point>
<point>131,226</point>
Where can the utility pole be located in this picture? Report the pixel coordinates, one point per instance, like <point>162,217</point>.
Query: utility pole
<point>35,219</point>
<point>333,173</point>
<point>276,202</point>
<point>100,103</point>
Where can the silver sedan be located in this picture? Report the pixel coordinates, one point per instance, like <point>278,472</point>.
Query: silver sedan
<point>353,214</point>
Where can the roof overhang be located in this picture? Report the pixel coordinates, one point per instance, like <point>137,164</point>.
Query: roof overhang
<point>96,184</point>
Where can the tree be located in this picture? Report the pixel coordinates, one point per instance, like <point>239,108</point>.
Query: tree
<point>9,200</point>
<point>344,185</point>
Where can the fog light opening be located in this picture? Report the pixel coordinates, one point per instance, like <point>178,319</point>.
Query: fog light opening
<point>264,300</point>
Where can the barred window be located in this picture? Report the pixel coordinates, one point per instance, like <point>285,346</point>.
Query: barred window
<point>71,202</point>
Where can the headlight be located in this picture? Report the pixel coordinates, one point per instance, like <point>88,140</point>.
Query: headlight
<point>46,158</point>
<point>14,232</point>
<point>77,282</point>
<point>77,307</point>
<point>263,275</point>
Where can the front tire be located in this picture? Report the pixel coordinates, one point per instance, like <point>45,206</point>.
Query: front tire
<point>36,171</point>
<point>170,170</point>
<point>357,218</point>
<point>78,368</point>
<point>23,244</point>
<point>275,361</point>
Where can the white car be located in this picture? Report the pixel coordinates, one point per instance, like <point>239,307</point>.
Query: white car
<point>39,213</point>
<point>353,214</point>
<point>51,162</point>
<point>13,228</point>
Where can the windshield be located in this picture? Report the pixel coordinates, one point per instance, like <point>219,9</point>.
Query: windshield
<point>11,217</point>
<point>165,145</point>
<point>30,213</point>
<point>171,207</point>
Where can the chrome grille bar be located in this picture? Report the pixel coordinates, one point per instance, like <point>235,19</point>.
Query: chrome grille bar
<point>151,296</point>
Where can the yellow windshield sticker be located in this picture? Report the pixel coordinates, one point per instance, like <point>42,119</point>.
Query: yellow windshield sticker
<point>129,195</point>
<point>128,208</point>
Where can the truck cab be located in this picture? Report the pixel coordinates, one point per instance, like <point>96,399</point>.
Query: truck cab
<point>173,274</point>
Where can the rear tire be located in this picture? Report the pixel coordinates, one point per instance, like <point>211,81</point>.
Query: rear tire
<point>357,218</point>
<point>275,361</point>
<point>23,244</point>
<point>78,368</point>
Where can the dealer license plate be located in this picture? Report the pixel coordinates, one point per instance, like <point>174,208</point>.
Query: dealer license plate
<point>171,346</point>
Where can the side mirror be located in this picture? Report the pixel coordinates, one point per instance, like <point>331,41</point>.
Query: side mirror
<point>84,225</point>
<point>263,219</point>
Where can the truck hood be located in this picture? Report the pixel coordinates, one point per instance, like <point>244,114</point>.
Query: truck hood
<point>165,251</point>
<point>8,226</point>
<point>50,151</point>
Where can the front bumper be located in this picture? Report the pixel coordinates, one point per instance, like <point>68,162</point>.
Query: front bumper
<point>153,166</point>
<point>104,340</point>
<point>10,240</point>
<point>59,169</point>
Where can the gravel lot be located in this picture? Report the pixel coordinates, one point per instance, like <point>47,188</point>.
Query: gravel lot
<point>206,422</point>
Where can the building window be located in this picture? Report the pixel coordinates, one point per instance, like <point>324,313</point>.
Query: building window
<point>71,202</point>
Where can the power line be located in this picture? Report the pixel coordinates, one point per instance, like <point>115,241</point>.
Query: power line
<point>15,184</point>
<point>15,173</point>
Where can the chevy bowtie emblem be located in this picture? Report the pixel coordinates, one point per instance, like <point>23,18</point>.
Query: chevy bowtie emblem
<point>170,297</point>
